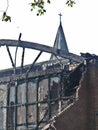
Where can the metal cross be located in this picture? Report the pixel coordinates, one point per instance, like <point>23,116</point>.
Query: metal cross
<point>60,16</point>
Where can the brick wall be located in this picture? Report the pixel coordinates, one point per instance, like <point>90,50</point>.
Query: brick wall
<point>83,114</point>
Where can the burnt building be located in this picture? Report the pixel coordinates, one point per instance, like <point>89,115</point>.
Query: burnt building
<point>32,95</point>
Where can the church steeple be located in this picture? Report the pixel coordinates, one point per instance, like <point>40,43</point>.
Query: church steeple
<point>60,41</point>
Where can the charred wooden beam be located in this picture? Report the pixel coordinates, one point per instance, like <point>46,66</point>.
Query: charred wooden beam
<point>40,102</point>
<point>15,108</point>
<point>26,104</point>
<point>22,59</point>
<point>13,65</point>
<point>49,98</point>
<point>19,36</point>
<point>37,108</point>
<point>40,47</point>
<point>30,45</point>
<point>8,97</point>
<point>23,76</point>
<point>33,63</point>
<point>17,48</point>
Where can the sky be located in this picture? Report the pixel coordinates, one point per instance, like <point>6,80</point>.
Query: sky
<point>80,25</point>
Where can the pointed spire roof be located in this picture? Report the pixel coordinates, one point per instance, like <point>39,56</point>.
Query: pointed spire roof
<point>60,41</point>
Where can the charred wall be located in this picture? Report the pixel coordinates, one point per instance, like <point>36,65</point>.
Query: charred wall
<point>83,114</point>
<point>32,101</point>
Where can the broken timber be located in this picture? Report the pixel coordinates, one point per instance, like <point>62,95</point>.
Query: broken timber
<point>44,48</point>
<point>38,92</point>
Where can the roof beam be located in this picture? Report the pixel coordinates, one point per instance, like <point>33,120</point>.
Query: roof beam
<point>39,47</point>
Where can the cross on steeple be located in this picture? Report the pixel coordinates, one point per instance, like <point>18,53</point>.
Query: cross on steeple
<point>60,16</point>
